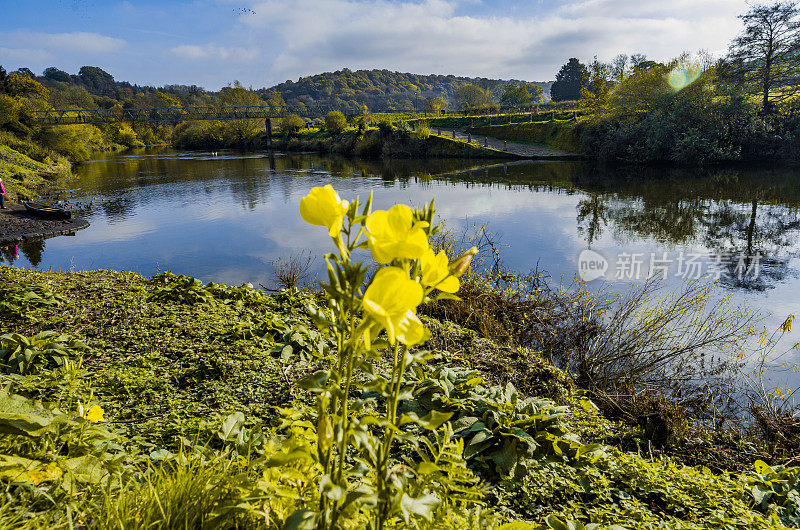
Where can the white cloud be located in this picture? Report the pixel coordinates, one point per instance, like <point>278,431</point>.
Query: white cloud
<point>212,52</point>
<point>431,37</point>
<point>25,55</point>
<point>78,42</point>
<point>81,42</point>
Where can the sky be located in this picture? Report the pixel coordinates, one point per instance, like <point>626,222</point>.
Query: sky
<point>212,43</point>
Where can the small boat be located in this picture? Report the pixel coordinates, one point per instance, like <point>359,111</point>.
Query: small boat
<point>46,210</point>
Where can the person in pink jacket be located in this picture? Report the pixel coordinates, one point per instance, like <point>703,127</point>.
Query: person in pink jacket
<point>2,195</point>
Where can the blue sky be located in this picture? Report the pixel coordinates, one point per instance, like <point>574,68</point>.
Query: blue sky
<point>260,43</point>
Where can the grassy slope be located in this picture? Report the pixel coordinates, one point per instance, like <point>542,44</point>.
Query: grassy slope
<point>25,176</point>
<point>556,133</point>
<point>163,368</point>
<point>374,145</point>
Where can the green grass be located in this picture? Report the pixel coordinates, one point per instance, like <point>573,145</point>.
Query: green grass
<point>560,134</point>
<point>190,376</point>
<point>27,168</point>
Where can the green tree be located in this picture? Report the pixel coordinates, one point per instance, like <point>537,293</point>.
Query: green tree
<point>537,93</point>
<point>291,124</point>
<point>97,81</point>
<point>54,74</point>
<point>335,122</point>
<point>238,132</point>
<point>275,101</point>
<point>596,94</point>
<point>435,105</point>
<point>515,96</point>
<point>569,81</point>
<point>17,84</point>
<point>765,55</point>
<point>471,96</point>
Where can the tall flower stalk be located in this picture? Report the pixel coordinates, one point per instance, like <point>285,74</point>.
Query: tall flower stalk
<point>409,273</point>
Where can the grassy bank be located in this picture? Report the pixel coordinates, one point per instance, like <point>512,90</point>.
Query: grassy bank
<point>560,134</point>
<point>24,176</point>
<point>200,391</point>
<point>384,142</point>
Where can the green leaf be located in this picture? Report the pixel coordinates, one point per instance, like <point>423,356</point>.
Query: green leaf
<point>426,468</point>
<point>762,468</point>
<point>314,382</point>
<point>431,421</point>
<point>584,449</point>
<point>281,459</point>
<point>161,454</point>
<point>589,406</point>
<point>447,296</point>
<point>330,489</point>
<point>517,525</point>
<point>231,426</point>
<point>759,494</point>
<point>557,524</point>
<point>422,506</point>
<point>302,520</point>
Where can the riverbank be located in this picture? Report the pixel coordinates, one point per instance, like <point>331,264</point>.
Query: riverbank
<point>388,142</point>
<point>25,177</point>
<point>178,382</point>
<point>17,224</point>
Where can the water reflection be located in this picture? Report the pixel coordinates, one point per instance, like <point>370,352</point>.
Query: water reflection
<point>228,218</point>
<point>244,206</point>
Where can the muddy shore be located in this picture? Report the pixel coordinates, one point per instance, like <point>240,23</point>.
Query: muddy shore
<point>16,225</point>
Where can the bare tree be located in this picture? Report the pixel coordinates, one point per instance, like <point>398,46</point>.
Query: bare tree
<point>637,59</point>
<point>765,54</point>
<point>618,66</point>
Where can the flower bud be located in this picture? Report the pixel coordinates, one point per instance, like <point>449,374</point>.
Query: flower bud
<point>460,265</point>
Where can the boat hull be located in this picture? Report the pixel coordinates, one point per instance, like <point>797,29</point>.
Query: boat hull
<point>47,211</point>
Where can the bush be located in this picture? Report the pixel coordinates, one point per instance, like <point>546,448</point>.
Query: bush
<point>292,124</point>
<point>335,122</point>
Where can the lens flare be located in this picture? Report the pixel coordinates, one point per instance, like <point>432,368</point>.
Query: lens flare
<point>683,75</point>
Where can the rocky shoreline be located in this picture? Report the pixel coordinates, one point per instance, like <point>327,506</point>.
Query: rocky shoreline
<point>16,225</point>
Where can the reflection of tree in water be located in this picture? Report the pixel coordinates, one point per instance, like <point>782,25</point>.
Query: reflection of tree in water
<point>592,217</point>
<point>119,208</point>
<point>32,249</point>
<point>732,213</point>
<point>741,233</point>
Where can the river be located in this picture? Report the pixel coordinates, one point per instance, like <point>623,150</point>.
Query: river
<point>228,217</point>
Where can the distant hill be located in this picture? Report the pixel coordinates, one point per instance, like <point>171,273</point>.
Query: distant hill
<point>380,90</point>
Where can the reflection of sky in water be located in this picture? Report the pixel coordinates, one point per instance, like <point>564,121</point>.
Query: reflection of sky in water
<point>228,218</point>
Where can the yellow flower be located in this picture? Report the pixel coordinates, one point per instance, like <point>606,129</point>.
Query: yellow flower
<point>323,207</point>
<point>436,272</point>
<point>95,414</point>
<point>409,329</point>
<point>390,301</point>
<point>394,234</point>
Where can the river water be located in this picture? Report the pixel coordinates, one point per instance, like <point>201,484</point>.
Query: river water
<point>228,217</point>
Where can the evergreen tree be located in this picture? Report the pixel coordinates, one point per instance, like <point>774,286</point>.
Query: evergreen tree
<point>569,81</point>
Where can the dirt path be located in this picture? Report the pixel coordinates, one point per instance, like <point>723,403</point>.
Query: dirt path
<point>16,224</point>
<point>534,151</point>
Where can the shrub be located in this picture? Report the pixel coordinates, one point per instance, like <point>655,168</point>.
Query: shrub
<point>292,124</point>
<point>335,122</point>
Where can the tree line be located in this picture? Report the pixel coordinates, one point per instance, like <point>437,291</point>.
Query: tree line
<point>696,108</point>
